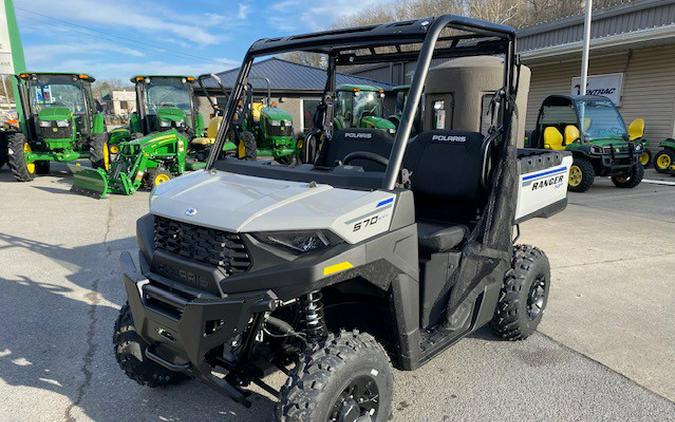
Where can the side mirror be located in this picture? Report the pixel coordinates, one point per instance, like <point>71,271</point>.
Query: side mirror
<point>98,106</point>
<point>571,134</point>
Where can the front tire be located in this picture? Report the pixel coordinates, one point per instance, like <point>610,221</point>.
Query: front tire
<point>630,181</point>
<point>247,148</point>
<point>157,176</point>
<point>663,160</point>
<point>16,149</point>
<point>99,154</point>
<point>524,294</point>
<point>347,376</point>
<point>4,156</point>
<point>582,175</point>
<point>130,355</point>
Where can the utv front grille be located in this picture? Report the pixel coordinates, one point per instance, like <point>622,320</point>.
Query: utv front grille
<point>202,244</point>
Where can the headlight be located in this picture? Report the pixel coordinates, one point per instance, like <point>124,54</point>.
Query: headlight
<point>299,242</point>
<point>45,123</point>
<point>180,123</point>
<point>638,147</point>
<point>595,149</point>
<point>275,122</point>
<point>164,123</point>
<point>62,123</point>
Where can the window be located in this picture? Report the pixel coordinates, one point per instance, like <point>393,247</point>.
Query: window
<point>439,114</point>
<point>486,115</point>
<point>309,107</point>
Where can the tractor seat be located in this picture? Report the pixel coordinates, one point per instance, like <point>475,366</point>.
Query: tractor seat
<point>436,238</point>
<point>211,133</point>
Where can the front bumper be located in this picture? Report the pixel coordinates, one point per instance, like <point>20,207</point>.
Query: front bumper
<point>181,330</point>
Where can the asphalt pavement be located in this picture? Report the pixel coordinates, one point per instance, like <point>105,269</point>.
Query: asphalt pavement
<point>605,350</point>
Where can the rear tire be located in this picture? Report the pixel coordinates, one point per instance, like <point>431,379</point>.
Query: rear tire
<point>646,158</point>
<point>629,182</point>
<point>349,364</point>
<point>663,160</point>
<point>99,155</point>
<point>22,171</point>
<point>582,175</point>
<point>524,294</point>
<point>247,148</point>
<point>130,355</point>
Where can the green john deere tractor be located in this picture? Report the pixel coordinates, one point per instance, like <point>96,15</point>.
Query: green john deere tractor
<point>361,106</point>
<point>594,131</point>
<point>262,129</point>
<point>664,160</point>
<point>60,121</point>
<point>164,139</point>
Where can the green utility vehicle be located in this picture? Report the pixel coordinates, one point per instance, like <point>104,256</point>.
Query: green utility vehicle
<point>664,160</point>
<point>60,121</point>
<point>594,131</point>
<point>160,142</point>
<point>361,106</point>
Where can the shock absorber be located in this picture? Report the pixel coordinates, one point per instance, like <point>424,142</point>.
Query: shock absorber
<point>315,326</point>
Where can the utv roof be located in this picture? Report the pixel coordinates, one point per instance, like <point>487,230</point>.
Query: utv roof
<point>136,78</point>
<point>84,76</point>
<point>356,88</point>
<point>467,36</point>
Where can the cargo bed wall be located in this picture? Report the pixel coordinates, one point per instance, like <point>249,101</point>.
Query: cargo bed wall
<point>542,184</point>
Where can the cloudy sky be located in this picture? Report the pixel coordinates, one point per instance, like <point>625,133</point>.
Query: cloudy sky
<point>120,38</point>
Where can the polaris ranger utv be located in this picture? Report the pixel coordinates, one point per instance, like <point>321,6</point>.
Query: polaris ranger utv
<point>381,250</point>
<point>60,121</point>
<point>593,130</point>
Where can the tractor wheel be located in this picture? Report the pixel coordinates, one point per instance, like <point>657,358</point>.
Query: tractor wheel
<point>632,180</point>
<point>16,149</point>
<point>582,175</point>
<point>663,160</point>
<point>524,294</point>
<point>646,158</point>
<point>4,156</point>
<point>348,377</point>
<point>99,154</point>
<point>247,148</point>
<point>130,355</point>
<point>42,167</point>
<point>286,160</point>
<point>157,176</point>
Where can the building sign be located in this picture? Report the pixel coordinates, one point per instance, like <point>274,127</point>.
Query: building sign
<point>6,63</point>
<point>609,85</point>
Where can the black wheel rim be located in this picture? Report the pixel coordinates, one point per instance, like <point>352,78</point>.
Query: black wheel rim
<point>536,298</point>
<point>358,401</point>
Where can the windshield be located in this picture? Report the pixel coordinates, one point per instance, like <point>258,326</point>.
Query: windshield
<point>600,119</point>
<point>167,93</point>
<point>56,91</point>
<point>353,106</point>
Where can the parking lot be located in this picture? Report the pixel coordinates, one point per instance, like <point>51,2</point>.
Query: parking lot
<point>605,350</point>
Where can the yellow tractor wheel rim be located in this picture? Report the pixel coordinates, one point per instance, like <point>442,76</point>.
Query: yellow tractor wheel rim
<point>663,161</point>
<point>106,157</point>
<point>161,178</point>
<point>241,150</point>
<point>575,176</point>
<point>644,158</point>
<point>29,166</point>
<point>114,149</point>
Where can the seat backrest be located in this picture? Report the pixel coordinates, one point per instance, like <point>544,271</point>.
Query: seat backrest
<point>636,129</point>
<point>553,139</point>
<point>214,124</point>
<point>572,134</point>
<point>345,141</point>
<point>447,172</point>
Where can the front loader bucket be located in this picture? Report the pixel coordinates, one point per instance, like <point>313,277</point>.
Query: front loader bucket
<point>90,182</point>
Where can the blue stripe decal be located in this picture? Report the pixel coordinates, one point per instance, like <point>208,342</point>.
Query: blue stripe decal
<point>546,173</point>
<point>384,202</point>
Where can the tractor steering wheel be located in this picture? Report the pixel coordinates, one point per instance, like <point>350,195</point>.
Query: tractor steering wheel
<point>365,155</point>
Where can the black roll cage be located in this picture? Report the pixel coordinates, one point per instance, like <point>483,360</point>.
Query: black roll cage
<point>360,45</point>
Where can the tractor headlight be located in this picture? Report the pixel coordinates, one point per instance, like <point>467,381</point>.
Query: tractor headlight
<point>299,242</point>
<point>275,122</point>
<point>638,147</point>
<point>165,123</point>
<point>45,123</point>
<point>180,123</point>
<point>62,123</point>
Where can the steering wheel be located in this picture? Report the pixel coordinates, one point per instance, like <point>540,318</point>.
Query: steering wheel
<point>365,155</point>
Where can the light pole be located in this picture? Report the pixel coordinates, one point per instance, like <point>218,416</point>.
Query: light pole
<point>587,44</point>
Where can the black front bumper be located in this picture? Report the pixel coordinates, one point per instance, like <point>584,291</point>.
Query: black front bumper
<point>181,330</point>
